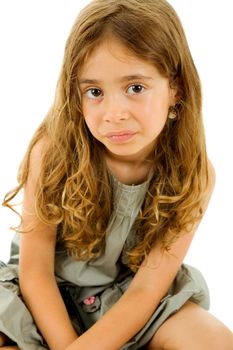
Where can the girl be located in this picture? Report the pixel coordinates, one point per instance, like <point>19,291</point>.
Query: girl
<point>116,180</point>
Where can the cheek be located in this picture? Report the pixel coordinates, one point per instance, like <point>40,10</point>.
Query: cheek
<point>157,103</point>
<point>85,111</point>
<point>89,123</point>
<point>156,113</point>
<point>92,124</point>
<point>88,116</point>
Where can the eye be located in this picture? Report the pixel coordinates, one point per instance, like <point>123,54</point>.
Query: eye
<point>93,93</point>
<point>135,89</point>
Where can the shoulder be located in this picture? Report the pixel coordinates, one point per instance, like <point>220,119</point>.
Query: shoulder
<point>209,183</point>
<point>35,156</point>
<point>211,176</point>
<point>38,149</point>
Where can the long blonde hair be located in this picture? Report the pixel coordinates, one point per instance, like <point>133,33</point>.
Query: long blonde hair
<point>73,190</point>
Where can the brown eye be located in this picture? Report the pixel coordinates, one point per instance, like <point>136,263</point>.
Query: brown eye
<point>136,89</point>
<point>94,93</point>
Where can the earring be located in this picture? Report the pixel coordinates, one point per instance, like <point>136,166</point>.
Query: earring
<point>172,112</point>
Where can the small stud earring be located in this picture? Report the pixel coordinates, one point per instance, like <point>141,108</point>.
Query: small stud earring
<point>172,112</point>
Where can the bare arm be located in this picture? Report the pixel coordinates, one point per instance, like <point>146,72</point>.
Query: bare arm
<point>36,268</point>
<point>151,284</point>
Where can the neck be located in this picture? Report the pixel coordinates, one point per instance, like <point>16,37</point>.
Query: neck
<point>129,172</point>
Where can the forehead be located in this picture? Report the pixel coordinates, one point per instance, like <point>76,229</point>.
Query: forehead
<point>112,57</point>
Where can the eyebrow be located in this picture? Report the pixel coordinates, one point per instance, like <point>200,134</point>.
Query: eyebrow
<point>122,79</point>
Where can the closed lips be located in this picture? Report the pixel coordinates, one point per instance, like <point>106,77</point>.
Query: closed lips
<point>120,133</point>
<point>121,137</point>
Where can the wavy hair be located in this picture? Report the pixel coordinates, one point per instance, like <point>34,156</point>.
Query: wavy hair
<point>73,190</point>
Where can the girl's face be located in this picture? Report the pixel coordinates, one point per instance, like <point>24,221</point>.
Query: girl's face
<point>125,101</point>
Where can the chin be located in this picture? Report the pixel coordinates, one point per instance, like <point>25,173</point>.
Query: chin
<point>133,155</point>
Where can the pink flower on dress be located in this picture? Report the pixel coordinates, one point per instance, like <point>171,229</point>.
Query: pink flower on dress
<point>89,300</point>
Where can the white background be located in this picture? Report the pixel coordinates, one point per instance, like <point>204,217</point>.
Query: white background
<point>32,39</point>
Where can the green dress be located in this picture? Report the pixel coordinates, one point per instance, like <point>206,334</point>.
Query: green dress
<point>89,289</point>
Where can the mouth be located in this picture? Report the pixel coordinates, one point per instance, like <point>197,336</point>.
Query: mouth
<point>121,136</point>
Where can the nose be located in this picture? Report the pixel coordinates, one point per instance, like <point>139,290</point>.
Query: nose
<point>115,109</point>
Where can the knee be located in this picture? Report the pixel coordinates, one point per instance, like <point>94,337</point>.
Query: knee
<point>223,339</point>
<point>213,337</point>
<point>192,328</point>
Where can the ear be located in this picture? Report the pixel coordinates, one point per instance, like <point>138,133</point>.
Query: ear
<point>176,92</point>
<point>173,96</point>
